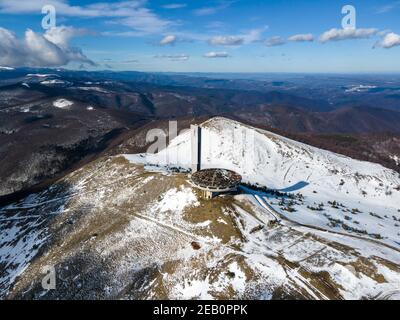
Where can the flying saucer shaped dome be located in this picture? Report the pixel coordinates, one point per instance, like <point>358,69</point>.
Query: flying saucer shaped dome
<point>219,180</point>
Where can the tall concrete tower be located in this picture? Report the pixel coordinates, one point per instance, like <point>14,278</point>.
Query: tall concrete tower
<point>195,132</point>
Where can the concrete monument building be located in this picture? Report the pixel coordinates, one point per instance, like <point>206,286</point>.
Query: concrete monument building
<point>212,182</point>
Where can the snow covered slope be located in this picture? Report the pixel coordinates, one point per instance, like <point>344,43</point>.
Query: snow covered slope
<point>115,230</point>
<point>112,230</point>
<point>333,191</point>
<point>6,68</point>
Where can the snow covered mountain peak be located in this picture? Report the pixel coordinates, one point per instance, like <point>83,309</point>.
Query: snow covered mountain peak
<point>322,177</point>
<point>275,162</point>
<point>153,233</point>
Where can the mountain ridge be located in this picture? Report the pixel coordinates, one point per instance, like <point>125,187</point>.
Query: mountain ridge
<point>119,229</point>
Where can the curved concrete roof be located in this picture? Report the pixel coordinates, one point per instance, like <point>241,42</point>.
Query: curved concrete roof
<point>216,180</point>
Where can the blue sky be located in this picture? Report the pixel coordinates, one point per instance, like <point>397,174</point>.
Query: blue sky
<point>204,36</point>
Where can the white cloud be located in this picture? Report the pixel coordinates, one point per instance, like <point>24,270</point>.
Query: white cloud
<point>226,41</point>
<point>346,34</point>
<point>247,37</point>
<point>254,35</point>
<point>388,7</point>
<point>63,34</point>
<point>383,33</point>
<point>390,40</point>
<point>144,22</point>
<point>216,25</point>
<point>173,57</point>
<point>275,41</point>
<point>302,37</point>
<point>132,14</point>
<point>175,6</point>
<point>170,39</point>
<point>206,11</point>
<point>101,9</point>
<point>213,54</point>
<point>36,50</point>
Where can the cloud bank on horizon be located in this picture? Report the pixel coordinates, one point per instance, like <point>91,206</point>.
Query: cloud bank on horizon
<point>139,30</point>
<point>50,49</point>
